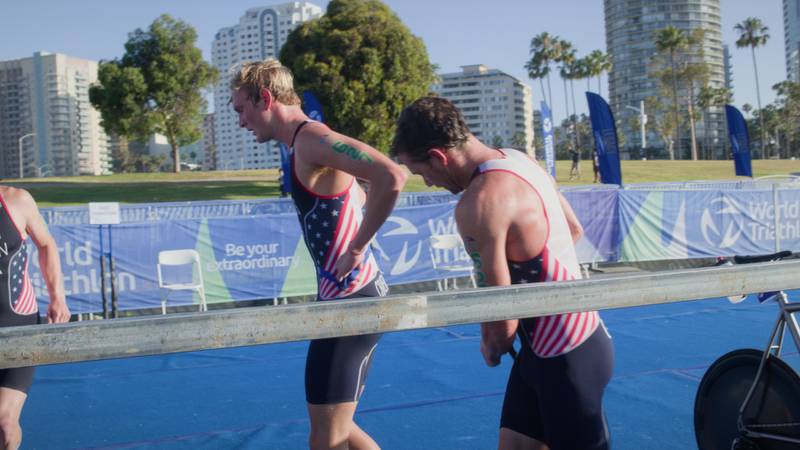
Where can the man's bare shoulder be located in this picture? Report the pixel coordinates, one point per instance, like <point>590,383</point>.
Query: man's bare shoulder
<point>490,197</point>
<point>16,197</point>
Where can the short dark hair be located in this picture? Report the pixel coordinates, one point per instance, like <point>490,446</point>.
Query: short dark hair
<point>429,122</point>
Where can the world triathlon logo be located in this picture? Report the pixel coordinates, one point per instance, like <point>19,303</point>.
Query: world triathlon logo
<point>409,234</point>
<point>719,225</point>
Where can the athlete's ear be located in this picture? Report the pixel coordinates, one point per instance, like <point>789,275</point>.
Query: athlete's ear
<point>438,154</point>
<point>266,96</point>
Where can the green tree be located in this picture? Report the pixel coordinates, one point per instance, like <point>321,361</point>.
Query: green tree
<point>544,49</point>
<point>156,87</point>
<point>710,97</point>
<point>497,141</point>
<point>753,33</point>
<point>364,66</point>
<point>571,69</point>
<point>663,121</point>
<point>671,40</point>
<point>518,141</point>
<point>788,102</point>
<point>597,63</point>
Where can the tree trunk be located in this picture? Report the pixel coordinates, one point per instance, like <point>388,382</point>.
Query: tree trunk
<point>707,151</point>
<point>575,118</point>
<point>176,157</point>
<point>760,113</point>
<point>566,106</point>
<point>675,102</point>
<point>692,125</point>
<point>550,99</point>
<point>544,94</point>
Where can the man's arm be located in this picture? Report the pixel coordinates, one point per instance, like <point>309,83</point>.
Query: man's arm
<point>386,180</point>
<point>483,224</point>
<point>575,227</point>
<point>49,261</point>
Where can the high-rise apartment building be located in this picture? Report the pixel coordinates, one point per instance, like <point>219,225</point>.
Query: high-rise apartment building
<point>630,40</point>
<point>726,57</point>
<point>791,38</point>
<point>47,96</point>
<point>496,106</point>
<point>260,34</point>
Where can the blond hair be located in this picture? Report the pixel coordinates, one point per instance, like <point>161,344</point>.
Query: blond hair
<point>269,74</point>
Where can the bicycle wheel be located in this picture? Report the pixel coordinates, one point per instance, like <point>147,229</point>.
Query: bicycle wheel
<point>774,407</point>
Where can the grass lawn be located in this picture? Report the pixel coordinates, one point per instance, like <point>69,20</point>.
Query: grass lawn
<point>250,184</point>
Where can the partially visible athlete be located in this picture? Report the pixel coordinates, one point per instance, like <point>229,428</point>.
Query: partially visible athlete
<point>19,219</point>
<point>329,201</point>
<point>518,228</point>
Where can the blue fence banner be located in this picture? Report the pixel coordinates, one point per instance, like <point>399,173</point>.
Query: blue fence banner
<point>604,130</point>
<point>549,144</point>
<point>597,211</point>
<point>740,142</point>
<point>261,254</point>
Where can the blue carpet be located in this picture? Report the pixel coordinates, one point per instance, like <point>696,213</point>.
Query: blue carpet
<point>427,389</point>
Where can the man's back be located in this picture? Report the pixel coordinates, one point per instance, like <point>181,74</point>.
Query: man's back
<point>528,208</point>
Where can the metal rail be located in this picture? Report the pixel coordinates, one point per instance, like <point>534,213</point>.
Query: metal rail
<point>120,338</point>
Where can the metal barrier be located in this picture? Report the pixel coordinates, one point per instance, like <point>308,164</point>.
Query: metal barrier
<point>120,338</point>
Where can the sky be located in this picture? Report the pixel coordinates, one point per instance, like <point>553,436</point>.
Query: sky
<point>456,32</point>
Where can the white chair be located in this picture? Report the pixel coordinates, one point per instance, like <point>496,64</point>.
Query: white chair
<point>449,242</point>
<point>181,258</point>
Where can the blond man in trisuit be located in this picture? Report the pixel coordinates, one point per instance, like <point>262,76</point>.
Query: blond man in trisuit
<point>329,201</point>
<point>19,219</point>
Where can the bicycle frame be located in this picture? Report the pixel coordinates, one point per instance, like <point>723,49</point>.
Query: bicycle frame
<point>786,319</point>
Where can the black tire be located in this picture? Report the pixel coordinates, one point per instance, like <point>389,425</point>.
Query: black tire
<point>776,400</point>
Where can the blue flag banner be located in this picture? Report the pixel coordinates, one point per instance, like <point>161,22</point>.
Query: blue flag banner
<point>740,142</point>
<point>547,136</point>
<point>312,107</point>
<point>286,168</point>
<point>604,131</point>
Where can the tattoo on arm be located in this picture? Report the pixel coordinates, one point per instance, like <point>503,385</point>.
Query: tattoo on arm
<point>352,153</point>
<point>477,262</point>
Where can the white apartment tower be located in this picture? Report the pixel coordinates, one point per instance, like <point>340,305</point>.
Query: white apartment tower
<point>47,95</point>
<point>791,38</point>
<point>630,28</point>
<point>260,34</point>
<point>495,105</point>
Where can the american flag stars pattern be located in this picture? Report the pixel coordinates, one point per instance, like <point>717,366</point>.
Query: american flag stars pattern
<point>20,291</point>
<point>329,224</point>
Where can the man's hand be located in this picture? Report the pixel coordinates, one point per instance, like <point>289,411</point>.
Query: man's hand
<point>349,261</point>
<point>491,358</point>
<point>58,312</point>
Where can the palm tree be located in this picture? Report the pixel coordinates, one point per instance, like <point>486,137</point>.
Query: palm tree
<point>582,70</point>
<point>707,98</point>
<point>538,71</point>
<point>673,40</point>
<point>571,69</point>
<point>543,51</point>
<point>518,141</point>
<point>753,33</point>
<point>566,57</point>
<point>598,62</point>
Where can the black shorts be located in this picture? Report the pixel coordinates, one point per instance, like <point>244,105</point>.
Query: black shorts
<point>559,400</point>
<point>336,368</point>
<point>21,378</point>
